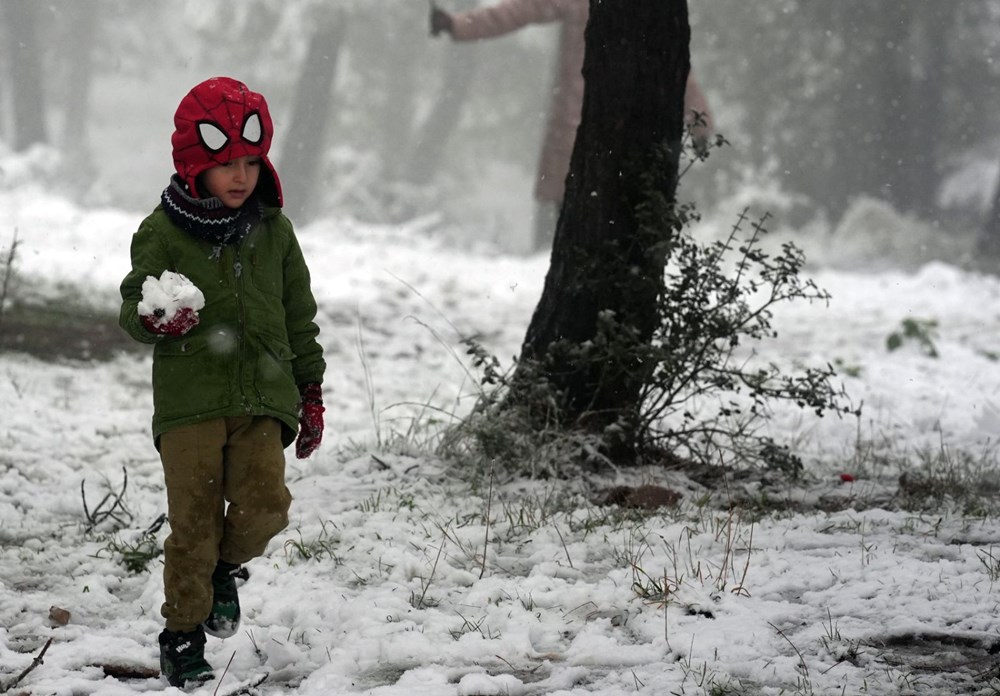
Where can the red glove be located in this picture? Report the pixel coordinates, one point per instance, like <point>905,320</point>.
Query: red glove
<point>310,419</point>
<point>183,321</point>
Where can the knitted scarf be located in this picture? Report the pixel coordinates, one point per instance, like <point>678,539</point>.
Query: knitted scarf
<point>208,218</point>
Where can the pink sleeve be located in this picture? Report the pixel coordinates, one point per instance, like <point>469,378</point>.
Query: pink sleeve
<point>504,17</point>
<point>695,100</point>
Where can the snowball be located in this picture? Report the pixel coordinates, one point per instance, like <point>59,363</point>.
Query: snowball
<point>169,293</point>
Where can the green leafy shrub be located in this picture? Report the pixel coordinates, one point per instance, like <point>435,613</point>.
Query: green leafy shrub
<point>705,397</point>
<point>687,338</point>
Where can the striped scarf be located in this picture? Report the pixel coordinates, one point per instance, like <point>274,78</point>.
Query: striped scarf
<point>208,218</point>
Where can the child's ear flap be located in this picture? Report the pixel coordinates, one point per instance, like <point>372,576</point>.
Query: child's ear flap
<point>268,188</point>
<point>202,190</point>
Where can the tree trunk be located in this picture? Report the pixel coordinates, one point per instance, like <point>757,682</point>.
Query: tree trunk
<point>988,241</point>
<point>25,73</point>
<point>930,28</point>
<point>885,160</point>
<point>304,145</point>
<point>894,105</point>
<point>432,137</point>
<point>83,19</point>
<point>607,258</point>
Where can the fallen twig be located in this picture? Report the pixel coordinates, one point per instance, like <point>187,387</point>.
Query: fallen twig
<point>39,659</point>
<point>248,689</point>
<point>100,514</point>
<point>224,673</point>
<point>121,672</point>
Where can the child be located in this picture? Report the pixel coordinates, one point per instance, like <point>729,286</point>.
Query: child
<point>237,368</point>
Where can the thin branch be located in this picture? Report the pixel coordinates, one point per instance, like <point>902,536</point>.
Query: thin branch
<point>249,689</point>
<point>99,514</point>
<point>39,659</point>
<point>224,673</point>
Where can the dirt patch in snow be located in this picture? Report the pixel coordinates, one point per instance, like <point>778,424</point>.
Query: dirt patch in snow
<point>62,332</point>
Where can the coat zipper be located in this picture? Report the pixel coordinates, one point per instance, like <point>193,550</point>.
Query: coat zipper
<point>237,270</point>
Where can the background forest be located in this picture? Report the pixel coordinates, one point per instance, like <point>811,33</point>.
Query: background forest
<point>862,126</point>
<point>825,104</point>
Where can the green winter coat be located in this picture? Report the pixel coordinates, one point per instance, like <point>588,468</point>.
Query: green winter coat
<point>256,340</point>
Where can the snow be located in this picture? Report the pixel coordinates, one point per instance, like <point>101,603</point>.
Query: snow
<point>391,580</point>
<point>165,295</point>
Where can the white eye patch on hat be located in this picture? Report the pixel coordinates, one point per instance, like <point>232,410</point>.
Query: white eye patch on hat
<point>215,139</point>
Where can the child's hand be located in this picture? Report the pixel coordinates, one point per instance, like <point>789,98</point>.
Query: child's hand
<point>184,320</point>
<point>310,420</point>
<point>170,304</point>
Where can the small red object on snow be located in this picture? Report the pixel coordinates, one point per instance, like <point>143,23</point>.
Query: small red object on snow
<point>847,478</point>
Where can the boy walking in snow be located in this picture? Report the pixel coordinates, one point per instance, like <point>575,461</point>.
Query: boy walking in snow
<point>220,288</point>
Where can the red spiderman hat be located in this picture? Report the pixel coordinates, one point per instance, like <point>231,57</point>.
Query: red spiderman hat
<point>218,121</point>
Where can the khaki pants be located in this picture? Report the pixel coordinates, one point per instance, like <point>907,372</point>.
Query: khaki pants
<point>236,460</point>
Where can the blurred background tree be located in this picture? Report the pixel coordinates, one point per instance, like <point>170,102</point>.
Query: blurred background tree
<point>25,95</point>
<point>855,98</point>
<point>823,102</point>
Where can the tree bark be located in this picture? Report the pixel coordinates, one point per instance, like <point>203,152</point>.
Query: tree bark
<point>25,72</point>
<point>988,240</point>
<point>930,27</point>
<point>607,258</point>
<point>84,20</point>
<point>432,136</point>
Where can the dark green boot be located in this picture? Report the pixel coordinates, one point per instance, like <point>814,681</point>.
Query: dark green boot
<point>182,657</point>
<point>225,616</point>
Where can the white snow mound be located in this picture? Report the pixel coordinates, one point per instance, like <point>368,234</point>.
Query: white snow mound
<point>170,292</point>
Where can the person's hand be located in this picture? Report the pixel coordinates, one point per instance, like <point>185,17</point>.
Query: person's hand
<point>440,21</point>
<point>310,419</point>
<point>184,320</point>
<point>701,146</point>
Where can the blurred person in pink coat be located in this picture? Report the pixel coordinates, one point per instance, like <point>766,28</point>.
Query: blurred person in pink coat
<point>567,94</point>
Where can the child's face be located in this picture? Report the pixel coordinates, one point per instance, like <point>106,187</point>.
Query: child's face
<point>233,182</point>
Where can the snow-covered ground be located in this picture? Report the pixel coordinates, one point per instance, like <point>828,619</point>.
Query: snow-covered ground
<point>395,578</point>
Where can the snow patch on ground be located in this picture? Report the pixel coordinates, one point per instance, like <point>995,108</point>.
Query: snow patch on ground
<point>391,578</point>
